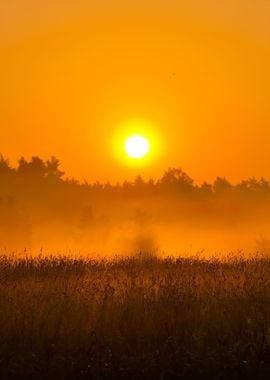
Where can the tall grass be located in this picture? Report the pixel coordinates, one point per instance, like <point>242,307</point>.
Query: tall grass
<point>134,318</point>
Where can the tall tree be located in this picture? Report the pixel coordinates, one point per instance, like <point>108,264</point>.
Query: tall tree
<point>5,168</point>
<point>176,178</point>
<point>53,168</point>
<point>35,168</point>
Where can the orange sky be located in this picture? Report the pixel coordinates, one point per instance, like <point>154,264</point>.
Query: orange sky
<point>198,71</point>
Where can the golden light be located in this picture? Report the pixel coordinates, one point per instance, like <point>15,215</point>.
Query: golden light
<point>137,146</point>
<point>137,143</point>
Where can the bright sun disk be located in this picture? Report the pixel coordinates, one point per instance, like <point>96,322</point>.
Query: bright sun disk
<point>137,146</point>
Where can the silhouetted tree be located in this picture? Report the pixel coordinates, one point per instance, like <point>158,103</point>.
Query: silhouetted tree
<point>222,185</point>
<point>108,186</point>
<point>151,186</point>
<point>72,182</point>
<point>97,186</point>
<point>264,185</point>
<point>138,182</point>
<point>176,178</point>
<point>53,168</point>
<point>206,188</point>
<point>5,168</point>
<point>36,168</point>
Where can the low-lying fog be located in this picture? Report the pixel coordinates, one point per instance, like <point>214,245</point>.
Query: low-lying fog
<point>161,224</point>
<point>39,211</point>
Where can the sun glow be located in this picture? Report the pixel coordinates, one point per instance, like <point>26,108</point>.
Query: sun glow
<point>137,146</point>
<point>137,143</point>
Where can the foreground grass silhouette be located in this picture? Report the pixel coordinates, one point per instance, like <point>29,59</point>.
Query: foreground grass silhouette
<point>134,318</point>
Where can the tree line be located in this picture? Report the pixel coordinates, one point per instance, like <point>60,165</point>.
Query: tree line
<point>44,173</point>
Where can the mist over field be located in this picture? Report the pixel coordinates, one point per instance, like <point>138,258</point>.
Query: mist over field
<point>42,211</point>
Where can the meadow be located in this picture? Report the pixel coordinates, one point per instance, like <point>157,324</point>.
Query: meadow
<point>140,317</point>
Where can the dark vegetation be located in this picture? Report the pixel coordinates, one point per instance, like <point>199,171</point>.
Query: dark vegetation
<point>140,317</point>
<point>47,174</point>
<point>41,208</point>
<point>134,318</point>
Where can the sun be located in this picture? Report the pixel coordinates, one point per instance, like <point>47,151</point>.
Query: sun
<point>136,143</point>
<point>137,146</point>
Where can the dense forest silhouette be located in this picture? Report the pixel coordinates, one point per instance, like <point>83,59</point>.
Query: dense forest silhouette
<point>45,174</point>
<point>40,206</point>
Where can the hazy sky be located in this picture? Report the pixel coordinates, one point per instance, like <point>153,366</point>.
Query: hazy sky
<point>73,72</point>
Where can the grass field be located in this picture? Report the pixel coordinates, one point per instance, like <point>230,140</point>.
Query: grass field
<point>134,318</point>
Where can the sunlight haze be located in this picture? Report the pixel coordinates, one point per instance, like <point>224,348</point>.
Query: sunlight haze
<point>135,189</point>
<point>198,71</point>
